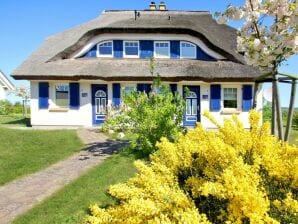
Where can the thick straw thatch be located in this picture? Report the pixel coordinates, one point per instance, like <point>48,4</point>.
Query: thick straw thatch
<point>52,59</point>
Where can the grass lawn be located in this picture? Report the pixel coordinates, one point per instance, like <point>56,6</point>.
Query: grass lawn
<point>14,120</point>
<point>293,136</point>
<point>26,151</point>
<point>70,205</point>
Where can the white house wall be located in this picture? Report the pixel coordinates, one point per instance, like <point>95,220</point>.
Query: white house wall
<point>83,115</point>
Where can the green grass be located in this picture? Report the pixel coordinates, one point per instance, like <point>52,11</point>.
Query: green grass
<point>14,120</point>
<point>27,151</point>
<point>70,205</point>
<point>293,136</point>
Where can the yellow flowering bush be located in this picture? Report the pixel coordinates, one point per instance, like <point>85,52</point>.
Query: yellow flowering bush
<point>231,175</point>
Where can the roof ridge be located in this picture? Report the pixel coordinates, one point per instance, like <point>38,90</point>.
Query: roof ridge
<point>160,11</point>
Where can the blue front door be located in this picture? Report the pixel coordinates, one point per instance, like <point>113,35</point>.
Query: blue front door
<point>99,103</point>
<point>192,108</point>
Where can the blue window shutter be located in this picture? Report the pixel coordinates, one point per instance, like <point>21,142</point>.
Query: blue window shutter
<point>144,87</point>
<point>247,97</point>
<point>173,88</point>
<point>91,53</point>
<point>146,48</point>
<point>118,48</point>
<point>201,55</point>
<point>140,87</point>
<point>175,49</point>
<point>147,88</point>
<point>215,97</point>
<point>43,95</point>
<point>74,95</point>
<point>116,94</point>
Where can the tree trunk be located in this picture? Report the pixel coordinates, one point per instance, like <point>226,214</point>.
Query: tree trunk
<point>291,109</point>
<point>278,107</point>
<point>254,104</point>
<point>273,110</point>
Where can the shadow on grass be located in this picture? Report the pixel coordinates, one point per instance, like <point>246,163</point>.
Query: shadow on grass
<point>19,121</point>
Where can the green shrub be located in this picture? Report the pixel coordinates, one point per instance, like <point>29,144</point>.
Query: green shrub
<point>5,107</point>
<point>148,117</point>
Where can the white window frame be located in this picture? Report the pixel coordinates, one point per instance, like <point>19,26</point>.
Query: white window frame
<point>55,95</point>
<point>169,50</point>
<point>239,95</point>
<point>104,55</point>
<point>186,42</point>
<point>131,56</point>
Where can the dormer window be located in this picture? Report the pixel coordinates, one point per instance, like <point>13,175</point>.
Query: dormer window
<point>131,49</point>
<point>187,50</point>
<point>105,49</point>
<point>162,49</point>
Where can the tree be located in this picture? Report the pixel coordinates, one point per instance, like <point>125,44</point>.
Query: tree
<point>267,38</point>
<point>24,93</point>
<point>148,116</point>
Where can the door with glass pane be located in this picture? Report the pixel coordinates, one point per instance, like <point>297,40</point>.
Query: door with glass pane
<point>192,105</point>
<point>99,103</point>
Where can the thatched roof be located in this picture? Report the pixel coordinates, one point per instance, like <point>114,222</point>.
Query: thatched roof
<point>52,59</point>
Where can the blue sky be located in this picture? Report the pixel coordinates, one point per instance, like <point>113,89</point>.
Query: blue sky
<point>24,25</point>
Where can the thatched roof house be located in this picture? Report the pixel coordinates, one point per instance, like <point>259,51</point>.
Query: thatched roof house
<point>112,52</point>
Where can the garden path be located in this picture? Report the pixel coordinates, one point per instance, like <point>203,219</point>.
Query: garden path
<point>20,195</point>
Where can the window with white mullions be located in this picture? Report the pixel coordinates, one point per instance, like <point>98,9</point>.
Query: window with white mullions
<point>100,102</point>
<point>187,50</point>
<point>105,49</point>
<point>191,104</point>
<point>162,49</point>
<point>131,48</point>
<point>62,95</point>
<point>230,98</point>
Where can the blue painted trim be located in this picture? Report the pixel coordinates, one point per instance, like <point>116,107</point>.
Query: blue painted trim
<point>146,49</point>
<point>173,88</point>
<point>91,53</point>
<point>247,95</point>
<point>116,94</point>
<point>43,95</point>
<point>118,48</point>
<point>144,87</point>
<point>74,93</point>
<point>201,55</point>
<point>175,49</point>
<point>188,120</point>
<point>94,89</point>
<point>215,97</point>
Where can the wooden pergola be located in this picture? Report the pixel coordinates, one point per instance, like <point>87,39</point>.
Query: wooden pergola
<point>280,77</point>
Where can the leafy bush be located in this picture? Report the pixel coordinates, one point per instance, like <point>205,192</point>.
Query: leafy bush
<point>5,107</point>
<point>230,176</point>
<point>295,119</point>
<point>149,117</point>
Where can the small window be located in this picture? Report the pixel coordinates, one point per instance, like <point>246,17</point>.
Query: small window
<point>230,98</point>
<point>62,95</point>
<point>105,49</point>
<point>162,49</point>
<point>131,49</point>
<point>187,50</point>
<point>129,89</point>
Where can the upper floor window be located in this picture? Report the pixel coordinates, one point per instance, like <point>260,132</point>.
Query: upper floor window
<point>230,98</point>
<point>187,50</point>
<point>105,49</point>
<point>162,49</point>
<point>62,95</point>
<point>131,49</point>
